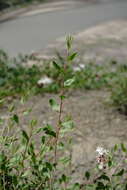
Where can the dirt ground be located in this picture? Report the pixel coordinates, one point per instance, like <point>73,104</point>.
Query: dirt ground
<point>100,44</point>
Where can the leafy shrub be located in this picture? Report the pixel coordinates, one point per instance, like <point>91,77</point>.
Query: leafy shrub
<point>9,3</point>
<point>4,4</point>
<point>17,79</point>
<point>119,90</point>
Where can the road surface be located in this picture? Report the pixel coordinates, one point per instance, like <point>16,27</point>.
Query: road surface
<point>34,30</point>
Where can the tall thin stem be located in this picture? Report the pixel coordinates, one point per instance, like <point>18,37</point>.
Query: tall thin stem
<point>58,127</point>
<point>62,93</point>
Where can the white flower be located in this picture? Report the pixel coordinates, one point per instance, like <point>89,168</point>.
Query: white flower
<point>45,80</point>
<point>76,68</point>
<point>101,150</point>
<point>82,66</point>
<point>101,166</point>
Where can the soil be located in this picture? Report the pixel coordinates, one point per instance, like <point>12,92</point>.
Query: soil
<point>101,44</point>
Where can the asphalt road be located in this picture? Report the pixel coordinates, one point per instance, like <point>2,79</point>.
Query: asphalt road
<point>33,33</point>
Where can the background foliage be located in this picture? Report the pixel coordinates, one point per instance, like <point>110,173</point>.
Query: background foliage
<point>9,3</point>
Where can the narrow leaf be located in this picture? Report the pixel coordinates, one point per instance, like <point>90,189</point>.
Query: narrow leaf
<point>119,173</point>
<point>123,147</point>
<point>68,124</point>
<point>33,122</point>
<point>69,42</point>
<point>24,134</point>
<point>87,175</point>
<point>69,82</point>
<point>15,118</point>
<point>104,177</point>
<point>71,57</point>
<point>56,65</point>
<point>54,105</point>
<point>49,131</point>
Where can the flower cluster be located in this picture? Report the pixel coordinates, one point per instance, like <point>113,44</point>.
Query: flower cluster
<point>102,157</point>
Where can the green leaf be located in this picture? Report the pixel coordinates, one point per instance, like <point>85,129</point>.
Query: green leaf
<point>61,146</point>
<point>49,131</point>
<point>65,160</point>
<point>69,40</point>
<point>90,187</point>
<point>69,82</point>
<point>25,136</point>
<point>1,121</point>
<point>66,127</point>
<point>2,81</point>
<point>14,160</point>
<point>15,118</point>
<point>2,101</point>
<point>76,186</point>
<point>40,168</point>
<point>62,97</point>
<point>87,175</point>
<point>72,56</point>
<point>115,147</point>
<point>63,178</point>
<point>27,111</point>
<point>39,130</point>
<point>43,139</point>
<point>56,65</point>
<point>33,122</point>
<point>2,157</point>
<point>119,173</point>
<point>11,108</point>
<point>27,173</point>
<point>54,105</point>
<point>49,166</point>
<point>110,163</point>
<point>31,149</point>
<point>123,147</point>
<point>104,177</point>
<point>68,124</point>
<point>100,186</point>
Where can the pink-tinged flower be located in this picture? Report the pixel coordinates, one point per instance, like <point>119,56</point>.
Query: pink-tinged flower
<point>101,150</point>
<point>102,157</point>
